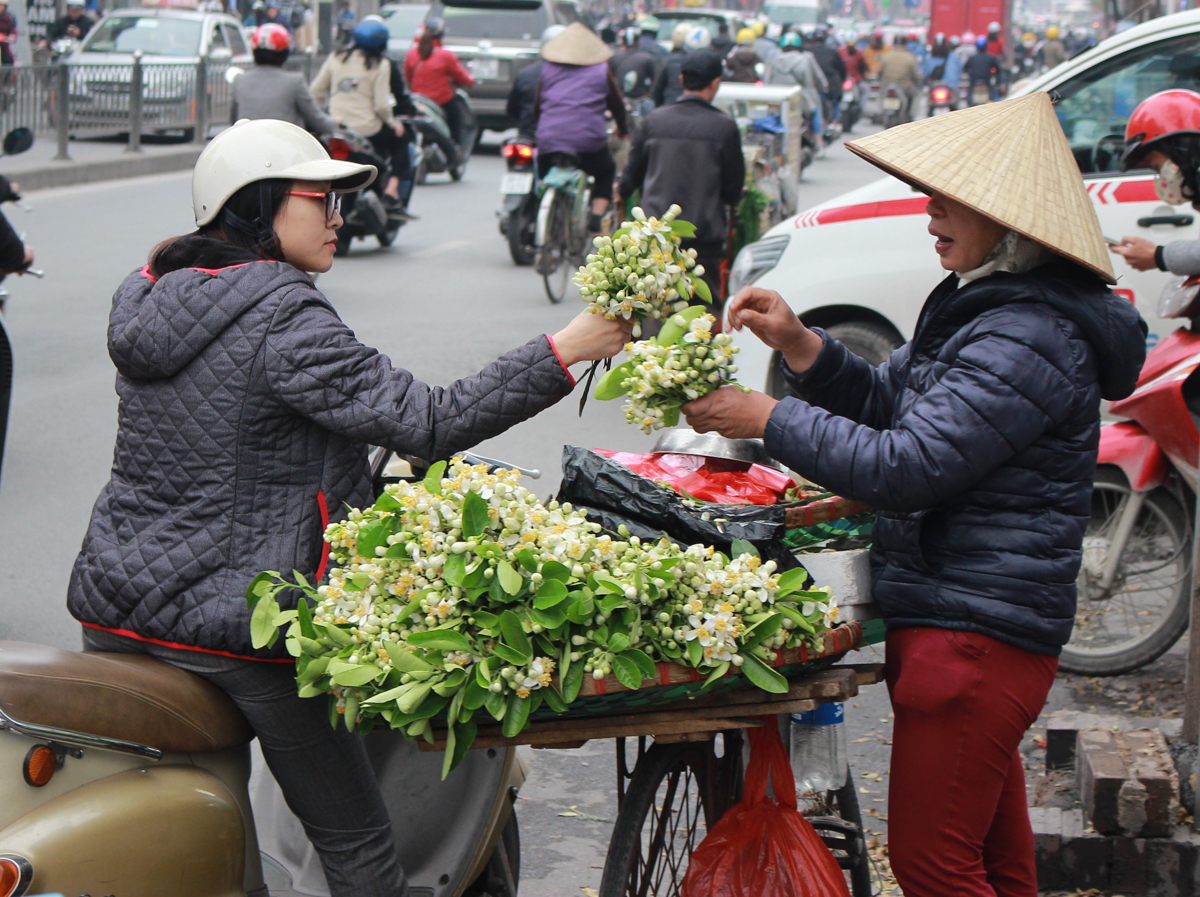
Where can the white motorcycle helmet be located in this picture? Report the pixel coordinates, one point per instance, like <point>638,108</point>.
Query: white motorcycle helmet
<point>266,149</point>
<point>551,32</point>
<point>698,38</point>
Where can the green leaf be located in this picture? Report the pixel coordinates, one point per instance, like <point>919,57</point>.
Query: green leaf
<point>496,704</point>
<point>792,580</point>
<point>485,619</point>
<point>682,229</point>
<point>411,700</point>
<point>550,593</point>
<point>695,652</point>
<point>262,631</point>
<point>406,661</point>
<point>763,676</point>
<point>304,615</point>
<point>671,415</point>
<point>441,640</point>
<point>701,288</point>
<point>258,587</point>
<point>555,570</point>
<point>448,756</point>
<point>433,478</point>
<point>454,571</point>
<point>581,609</point>
<point>608,585</point>
<point>387,502</point>
<point>571,682</point>
<point>392,694</point>
<point>510,580</point>
<point>337,635</point>
<point>413,606</point>
<point>475,516</point>
<point>314,669</point>
<point>517,716</point>
<point>645,664</point>
<point>526,559</point>
<point>551,618</point>
<point>553,699</point>
<point>361,674</point>
<point>741,546</point>
<point>609,386</point>
<point>618,642</point>
<point>793,614</point>
<point>463,741</point>
<point>360,581</point>
<point>373,536</point>
<point>514,635</point>
<point>627,671</point>
<point>475,695</point>
<point>508,655</point>
<point>671,332</point>
<point>721,670</point>
<point>761,631</point>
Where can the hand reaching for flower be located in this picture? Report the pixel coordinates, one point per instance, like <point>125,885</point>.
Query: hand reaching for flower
<point>590,337</point>
<point>773,321</point>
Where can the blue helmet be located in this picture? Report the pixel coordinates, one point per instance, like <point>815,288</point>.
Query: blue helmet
<point>981,42</point>
<point>370,35</point>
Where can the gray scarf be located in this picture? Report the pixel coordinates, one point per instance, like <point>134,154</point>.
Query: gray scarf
<point>1015,254</point>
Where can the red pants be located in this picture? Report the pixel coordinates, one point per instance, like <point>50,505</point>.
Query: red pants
<point>958,824</point>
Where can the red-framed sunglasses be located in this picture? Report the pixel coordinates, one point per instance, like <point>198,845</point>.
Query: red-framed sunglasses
<point>333,201</point>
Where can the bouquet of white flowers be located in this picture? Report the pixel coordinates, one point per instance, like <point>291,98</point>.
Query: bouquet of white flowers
<point>641,271</point>
<point>466,593</point>
<point>684,362</point>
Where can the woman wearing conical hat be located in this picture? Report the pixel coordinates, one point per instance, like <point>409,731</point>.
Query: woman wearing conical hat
<point>977,443</point>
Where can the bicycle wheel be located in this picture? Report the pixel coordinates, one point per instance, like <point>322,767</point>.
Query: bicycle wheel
<point>665,815</point>
<point>1144,611</point>
<point>556,253</point>
<point>838,820</point>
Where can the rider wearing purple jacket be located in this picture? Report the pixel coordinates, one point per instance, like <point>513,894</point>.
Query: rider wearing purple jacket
<point>575,89</point>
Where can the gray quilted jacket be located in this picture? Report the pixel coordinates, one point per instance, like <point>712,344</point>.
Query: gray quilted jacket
<point>246,408</point>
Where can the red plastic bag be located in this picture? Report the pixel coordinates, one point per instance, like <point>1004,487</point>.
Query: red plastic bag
<point>709,479</point>
<point>763,847</point>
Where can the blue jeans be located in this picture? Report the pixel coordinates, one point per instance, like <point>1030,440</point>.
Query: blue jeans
<point>324,773</point>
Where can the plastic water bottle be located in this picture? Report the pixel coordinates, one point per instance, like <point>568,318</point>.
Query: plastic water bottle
<point>818,748</point>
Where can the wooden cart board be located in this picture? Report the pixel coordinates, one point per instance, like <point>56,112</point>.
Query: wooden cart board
<point>691,719</point>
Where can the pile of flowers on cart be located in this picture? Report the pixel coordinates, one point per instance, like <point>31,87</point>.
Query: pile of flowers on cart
<point>465,593</point>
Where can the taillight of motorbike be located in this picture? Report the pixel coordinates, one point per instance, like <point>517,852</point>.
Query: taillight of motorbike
<point>16,874</point>
<point>940,96</point>
<point>848,84</point>
<point>519,155</point>
<point>39,767</point>
<point>339,149</point>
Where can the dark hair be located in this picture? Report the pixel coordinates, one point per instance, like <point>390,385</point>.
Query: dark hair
<point>370,57</point>
<point>263,56</point>
<point>425,45</point>
<point>240,223</point>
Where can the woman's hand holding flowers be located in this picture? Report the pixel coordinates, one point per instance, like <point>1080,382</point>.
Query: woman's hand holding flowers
<point>732,413</point>
<point>590,337</point>
<point>773,321</point>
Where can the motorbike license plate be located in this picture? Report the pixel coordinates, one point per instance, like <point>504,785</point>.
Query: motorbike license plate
<point>891,104</point>
<point>485,69</point>
<point>848,96</point>
<point>517,182</point>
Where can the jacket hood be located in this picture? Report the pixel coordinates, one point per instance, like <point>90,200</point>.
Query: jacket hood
<point>1111,324</point>
<point>156,328</point>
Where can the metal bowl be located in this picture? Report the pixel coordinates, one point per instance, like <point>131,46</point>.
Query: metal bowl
<point>686,441</point>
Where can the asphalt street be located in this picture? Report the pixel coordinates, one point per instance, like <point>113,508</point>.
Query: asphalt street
<point>442,302</point>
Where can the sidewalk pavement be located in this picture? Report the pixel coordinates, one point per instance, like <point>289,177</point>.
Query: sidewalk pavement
<point>96,160</point>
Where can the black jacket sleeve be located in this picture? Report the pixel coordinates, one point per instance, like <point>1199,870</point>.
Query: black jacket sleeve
<point>12,250</point>
<point>634,174</point>
<point>616,103</point>
<point>733,168</point>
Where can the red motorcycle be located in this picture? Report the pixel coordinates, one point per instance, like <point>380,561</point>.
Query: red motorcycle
<point>1135,582</point>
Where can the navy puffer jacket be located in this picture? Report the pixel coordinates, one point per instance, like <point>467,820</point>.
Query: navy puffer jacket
<point>246,410</point>
<point>977,443</point>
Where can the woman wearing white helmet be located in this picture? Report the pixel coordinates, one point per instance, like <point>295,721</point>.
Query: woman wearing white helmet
<point>246,409</point>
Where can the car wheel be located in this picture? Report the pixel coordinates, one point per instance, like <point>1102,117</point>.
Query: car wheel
<point>874,342</point>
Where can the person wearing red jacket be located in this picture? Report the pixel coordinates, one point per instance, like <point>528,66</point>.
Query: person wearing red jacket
<point>434,71</point>
<point>856,63</point>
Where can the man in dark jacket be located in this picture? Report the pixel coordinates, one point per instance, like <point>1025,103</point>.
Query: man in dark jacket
<point>75,24</point>
<point>690,153</point>
<point>522,99</point>
<point>832,65</point>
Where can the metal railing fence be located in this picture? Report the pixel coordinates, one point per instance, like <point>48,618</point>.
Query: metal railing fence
<point>66,100</point>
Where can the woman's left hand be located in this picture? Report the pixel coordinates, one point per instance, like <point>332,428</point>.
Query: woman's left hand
<point>590,337</point>
<point>732,413</point>
<point>1137,252</point>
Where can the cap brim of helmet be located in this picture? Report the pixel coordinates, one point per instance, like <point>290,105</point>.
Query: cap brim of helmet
<point>344,177</point>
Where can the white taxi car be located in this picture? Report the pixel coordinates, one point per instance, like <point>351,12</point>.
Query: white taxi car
<point>861,265</point>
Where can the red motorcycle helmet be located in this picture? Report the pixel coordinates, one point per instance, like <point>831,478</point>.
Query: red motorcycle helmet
<point>271,37</point>
<point>1156,118</point>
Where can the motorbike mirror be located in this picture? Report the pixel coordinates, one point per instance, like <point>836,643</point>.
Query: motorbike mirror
<point>17,141</point>
<point>233,73</point>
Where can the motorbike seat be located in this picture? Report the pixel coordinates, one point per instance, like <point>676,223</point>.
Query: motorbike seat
<point>131,697</point>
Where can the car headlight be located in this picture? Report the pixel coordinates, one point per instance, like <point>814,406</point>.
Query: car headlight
<point>756,260</point>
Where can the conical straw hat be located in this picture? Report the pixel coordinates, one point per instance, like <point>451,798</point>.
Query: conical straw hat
<point>1008,160</point>
<point>576,45</point>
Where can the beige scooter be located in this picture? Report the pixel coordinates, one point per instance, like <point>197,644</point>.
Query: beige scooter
<point>122,775</point>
